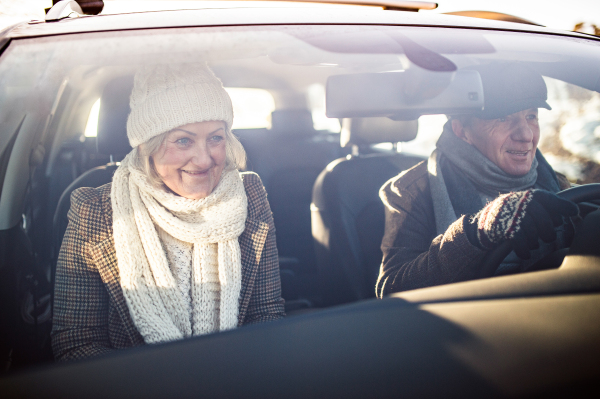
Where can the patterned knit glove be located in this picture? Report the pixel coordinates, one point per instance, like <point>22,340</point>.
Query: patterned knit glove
<point>522,217</point>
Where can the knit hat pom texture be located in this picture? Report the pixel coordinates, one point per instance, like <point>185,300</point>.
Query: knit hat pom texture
<point>168,96</point>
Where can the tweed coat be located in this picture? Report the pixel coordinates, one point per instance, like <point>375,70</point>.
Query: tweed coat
<point>90,313</point>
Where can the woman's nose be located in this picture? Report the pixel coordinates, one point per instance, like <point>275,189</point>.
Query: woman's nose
<point>202,157</point>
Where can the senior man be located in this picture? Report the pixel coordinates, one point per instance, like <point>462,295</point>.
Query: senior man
<point>485,183</point>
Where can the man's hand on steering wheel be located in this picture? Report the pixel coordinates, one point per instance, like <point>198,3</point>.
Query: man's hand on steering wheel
<point>522,218</point>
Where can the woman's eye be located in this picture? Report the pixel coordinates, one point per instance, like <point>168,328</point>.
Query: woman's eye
<point>184,141</point>
<point>216,139</point>
<point>532,117</point>
<point>502,119</point>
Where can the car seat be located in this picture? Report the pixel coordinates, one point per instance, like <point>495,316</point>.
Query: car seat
<point>347,214</point>
<point>288,158</point>
<point>111,140</point>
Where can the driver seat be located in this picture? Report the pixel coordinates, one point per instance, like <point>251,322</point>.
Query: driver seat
<point>347,216</point>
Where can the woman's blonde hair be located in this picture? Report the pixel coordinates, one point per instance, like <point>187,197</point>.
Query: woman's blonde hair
<point>235,155</point>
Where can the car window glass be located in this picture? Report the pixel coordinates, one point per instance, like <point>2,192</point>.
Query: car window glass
<point>292,64</point>
<point>252,107</point>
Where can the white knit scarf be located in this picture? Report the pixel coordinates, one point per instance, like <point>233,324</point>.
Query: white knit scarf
<point>149,287</point>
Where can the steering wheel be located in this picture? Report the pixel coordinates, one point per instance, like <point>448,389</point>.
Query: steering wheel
<point>578,194</point>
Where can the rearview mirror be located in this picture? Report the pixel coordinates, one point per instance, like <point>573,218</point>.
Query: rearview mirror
<point>403,95</point>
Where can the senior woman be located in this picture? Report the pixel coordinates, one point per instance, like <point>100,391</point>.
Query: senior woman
<point>180,243</point>
<point>485,183</point>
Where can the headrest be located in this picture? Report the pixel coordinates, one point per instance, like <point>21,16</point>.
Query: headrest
<point>364,131</point>
<point>292,122</point>
<point>112,119</point>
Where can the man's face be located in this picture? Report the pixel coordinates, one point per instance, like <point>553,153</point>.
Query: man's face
<point>509,142</point>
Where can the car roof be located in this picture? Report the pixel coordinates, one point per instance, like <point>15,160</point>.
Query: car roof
<point>223,14</point>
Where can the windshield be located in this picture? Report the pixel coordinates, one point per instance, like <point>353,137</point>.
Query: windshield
<point>288,67</point>
<point>327,117</point>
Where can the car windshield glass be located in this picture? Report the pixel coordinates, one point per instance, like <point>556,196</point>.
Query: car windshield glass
<point>57,80</point>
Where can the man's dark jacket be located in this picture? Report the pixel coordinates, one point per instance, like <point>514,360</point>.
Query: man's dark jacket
<point>414,255</point>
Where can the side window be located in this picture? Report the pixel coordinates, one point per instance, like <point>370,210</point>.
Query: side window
<point>252,107</point>
<point>570,132</point>
<point>316,101</point>
<point>430,128</point>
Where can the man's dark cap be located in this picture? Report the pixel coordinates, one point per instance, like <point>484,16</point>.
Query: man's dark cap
<point>510,88</point>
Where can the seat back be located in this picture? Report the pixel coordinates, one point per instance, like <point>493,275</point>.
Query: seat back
<point>288,158</point>
<point>348,216</point>
<point>111,140</point>
<point>112,118</point>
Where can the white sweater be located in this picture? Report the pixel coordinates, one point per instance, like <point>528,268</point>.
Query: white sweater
<point>179,256</point>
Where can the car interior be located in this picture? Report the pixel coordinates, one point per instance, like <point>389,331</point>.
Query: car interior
<point>322,185</point>
<point>317,195</point>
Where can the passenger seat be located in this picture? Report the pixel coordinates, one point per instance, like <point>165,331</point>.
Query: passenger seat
<point>111,140</point>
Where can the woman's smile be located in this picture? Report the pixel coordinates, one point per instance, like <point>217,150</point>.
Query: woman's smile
<point>196,172</point>
<point>192,159</point>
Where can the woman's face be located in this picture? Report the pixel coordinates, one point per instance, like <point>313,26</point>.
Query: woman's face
<point>191,160</point>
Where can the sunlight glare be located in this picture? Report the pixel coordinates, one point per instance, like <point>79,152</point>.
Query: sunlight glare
<point>91,128</point>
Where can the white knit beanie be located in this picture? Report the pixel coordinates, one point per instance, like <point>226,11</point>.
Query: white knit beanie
<point>168,96</point>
